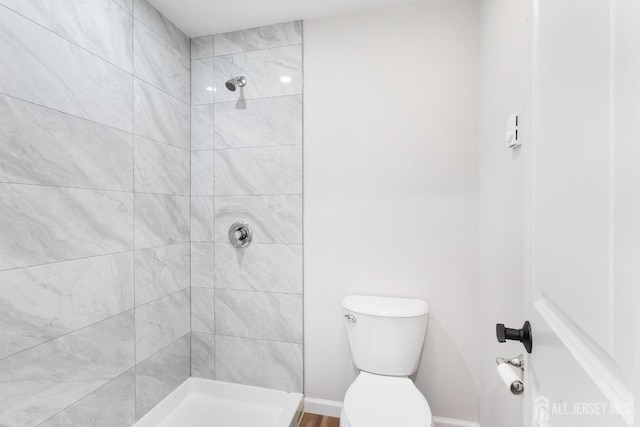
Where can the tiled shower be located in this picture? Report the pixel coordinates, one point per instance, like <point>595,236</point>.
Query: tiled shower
<point>125,161</point>
<point>247,165</point>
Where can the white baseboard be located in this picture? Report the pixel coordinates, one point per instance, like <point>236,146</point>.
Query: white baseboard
<point>328,408</point>
<point>445,422</point>
<point>331,408</point>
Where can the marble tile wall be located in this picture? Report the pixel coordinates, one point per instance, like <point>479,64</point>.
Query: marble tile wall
<point>246,319</point>
<point>95,255</point>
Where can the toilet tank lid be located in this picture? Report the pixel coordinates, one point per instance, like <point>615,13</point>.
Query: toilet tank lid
<point>385,306</point>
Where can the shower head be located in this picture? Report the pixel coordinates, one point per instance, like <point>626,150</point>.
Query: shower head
<point>235,83</point>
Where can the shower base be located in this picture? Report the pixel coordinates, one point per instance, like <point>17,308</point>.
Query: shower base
<point>204,403</point>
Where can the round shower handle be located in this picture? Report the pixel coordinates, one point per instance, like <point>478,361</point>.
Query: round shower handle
<point>240,234</point>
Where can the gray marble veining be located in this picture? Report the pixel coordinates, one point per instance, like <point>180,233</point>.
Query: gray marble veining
<point>259,122</point>
<point>256,171</point>
<point>41,303</point>
<point>202,173</point>
<point>70,256</point>
<point>202,264</point>
<point>203,356</point>
<point>161,220</point>
<point>161,322</point>
<point>270,72</point>
<point>161,271</point>
<point>275,219</point>
<point>259,267</point>
<point>112,405</point>
<point>160,116</point>
<point>99,26</point>
<point>160,25</point>
<point>202,127</point>
<point>262,315</point>
<point>202,310</point>
<point>202,47</point>
<point>44,146</point>
<point>38,383</point>
<point>161,168</point>
<point>270,364</point>
<point>270,36</point>
<point>202,81</point>
<point>158,63</point>
<point>161,373</point>
<point>48,70</point>
<point>47,224</point>
<point>255,327</point>
<point>202,219</point>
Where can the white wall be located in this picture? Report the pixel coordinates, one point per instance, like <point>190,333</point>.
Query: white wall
<point>391,187</point>
<point>501,201</point>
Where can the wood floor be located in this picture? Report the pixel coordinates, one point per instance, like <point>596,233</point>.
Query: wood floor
<point>313,420</point>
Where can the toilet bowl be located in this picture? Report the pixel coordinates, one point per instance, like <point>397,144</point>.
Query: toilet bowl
<point>381,401</point>
<point>386,337</point>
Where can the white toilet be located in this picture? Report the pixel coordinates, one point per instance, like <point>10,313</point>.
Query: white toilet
<point>386,337</point>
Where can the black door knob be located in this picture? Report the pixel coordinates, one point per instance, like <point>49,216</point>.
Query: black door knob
<point>523,335</point>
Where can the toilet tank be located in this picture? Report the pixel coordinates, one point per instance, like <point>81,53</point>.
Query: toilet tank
<point>385,334</point>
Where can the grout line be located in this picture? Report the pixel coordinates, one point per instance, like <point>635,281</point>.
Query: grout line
<point>249,147</point>
<point>253,50</point>
<point>93,122</point>
<point>161,37</point>
<point>290,95</point>
<point>162,297</point>
<point>302,216</point>
<point>66,187</point>
<point>257,195</point>
<point>120,6</point>
<point>69,41</point>
<point>186,103</point>
<point>190,240</point>
<point>68,333</point>
<point>253,339</point>
<point>132,251</point>
<point>161,142</point>
<point>163,348</point>
<point>188,97</point>
<point>255,291</point>
<point>128,132</point>
<point>242,52</point>
<point>135,314</point>
<point>66,260</point>
<point>162,194</point>
<point>213,231</point>
<point>88,394</point>
<point>223,242</point>
<point>259,244</point>
<point>148,248</point>
<point>65,113</point>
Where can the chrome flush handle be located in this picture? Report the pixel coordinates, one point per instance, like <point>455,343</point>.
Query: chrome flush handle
<point>350,318</point>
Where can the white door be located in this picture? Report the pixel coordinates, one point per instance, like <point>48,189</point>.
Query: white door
<point>582,145</point>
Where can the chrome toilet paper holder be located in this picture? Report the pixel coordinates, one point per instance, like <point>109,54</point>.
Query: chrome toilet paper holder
<point>517,362</point>
<point>512,380</point>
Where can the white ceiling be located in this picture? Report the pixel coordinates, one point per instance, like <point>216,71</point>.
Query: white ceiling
<point>203,17</point>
